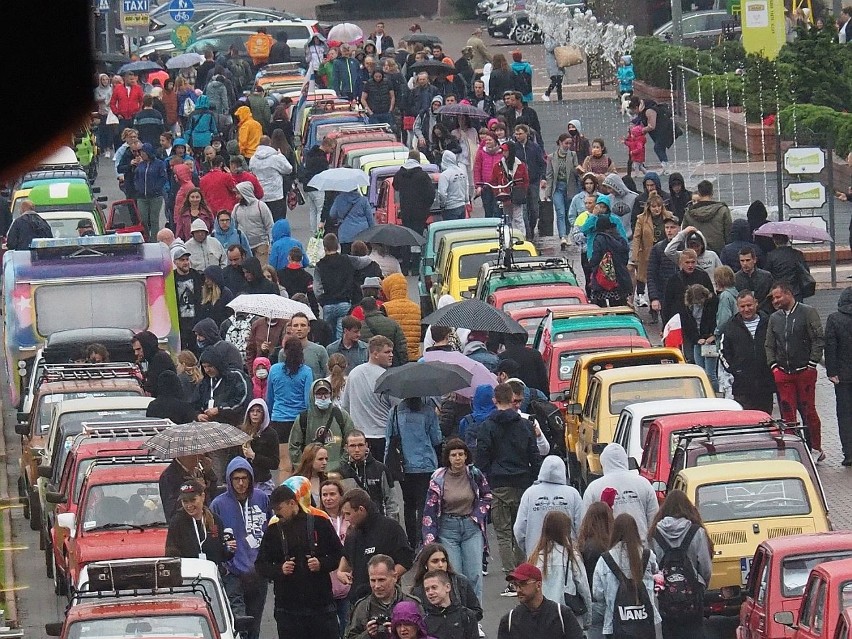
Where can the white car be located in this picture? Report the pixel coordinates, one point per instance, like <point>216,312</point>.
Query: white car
<point>634,420</point>
<point>207,575</point>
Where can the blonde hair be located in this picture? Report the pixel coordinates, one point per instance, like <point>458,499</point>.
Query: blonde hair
<point>337,365</point>
<point>723,277</point>
<point>210,292</point>
<point>190,366</point>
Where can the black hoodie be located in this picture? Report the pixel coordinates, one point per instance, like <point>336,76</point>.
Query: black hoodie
<point>377,535</point>
<point>678,201</point>
<point>230,391</point>
<point>452,622</point>
<point>506,450</point>
<point>416,194</point>
<point>838,340</point>
<point>259,284</point>
<point>154,361</point>
<point>212,340</point>
<point>170,403</point>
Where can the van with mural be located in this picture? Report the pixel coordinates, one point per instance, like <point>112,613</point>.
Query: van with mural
<point>113,281</point>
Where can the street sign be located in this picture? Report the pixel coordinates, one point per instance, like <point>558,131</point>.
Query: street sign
<point>804,160</point>
<point>804,195</point>
<point>134,18</point>
<point>183,35</point>
<point>103,5</point>
<point>181,11</point>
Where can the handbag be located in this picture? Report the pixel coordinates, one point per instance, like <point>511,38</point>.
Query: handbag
<point>111,118</point>
<point>568,55</point>
<point>315,250</point>
<point>188,107</point>
<point>807,283</point>
<point>574,602</point>
<point>519,195</point>
<point>605,276</point>
<point>393,455</point>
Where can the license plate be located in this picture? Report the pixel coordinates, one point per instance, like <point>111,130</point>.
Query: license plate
<point>415,249</point>
<point>745,567</point>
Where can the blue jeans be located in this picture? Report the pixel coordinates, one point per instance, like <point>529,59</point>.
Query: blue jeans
<point>382,118</point>
<point>455,213</point>
<point>247,595</point>
<point>333,315</point>
<point>708,364</point>
<point>660,150</point>
<point>342,614</point>
<point>561,203</point>
<point>489,203</point>
<point>464,543</point>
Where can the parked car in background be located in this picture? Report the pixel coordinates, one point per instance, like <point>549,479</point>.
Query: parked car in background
<point>704,29</point>
<point>824,612</point>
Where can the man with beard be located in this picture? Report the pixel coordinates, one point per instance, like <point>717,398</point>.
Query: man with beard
<point>188,283</point>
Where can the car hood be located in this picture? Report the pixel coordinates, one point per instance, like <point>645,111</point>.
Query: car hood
<point>104,545</point>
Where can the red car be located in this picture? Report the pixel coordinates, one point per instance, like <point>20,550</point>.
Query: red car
<point>827,595</point>
<point>120,516</point>
<point>543,297</point>
<point>779,573</point>
<point>387,209</point>
<point>530,318</point>
<point>661,440</point>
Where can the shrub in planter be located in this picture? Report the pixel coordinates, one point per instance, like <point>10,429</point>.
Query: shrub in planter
<point>766,87</point>
<point>656,62</point>
<point>806,118</point>
<point>729,55</point>
<point>716,90</point>
<point>820,69</point>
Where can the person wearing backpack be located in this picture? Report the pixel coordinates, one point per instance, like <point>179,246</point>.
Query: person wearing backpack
<point>685,555</point>
<point>523,75</point>
<point>482,407</point>
<point>201,126</point>
<point>624,581</point>
<point>322,422</point>
<point>536,616</point>
<point>611,283</point>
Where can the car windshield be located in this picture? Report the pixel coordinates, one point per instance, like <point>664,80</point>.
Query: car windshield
<point>550,301</point>
<point>568,359</point>
<point>119,304</point>
<point>126,504</point>
<point>795,570</point>
<point>47,402</point>
<point>66,227</point>
<point>469,264</point>
<point>760,454</point>
<point>183,625</point>
<point>621,331</point>
<point>753,499</point>
<point>846,594</point>
<point>646,390</point>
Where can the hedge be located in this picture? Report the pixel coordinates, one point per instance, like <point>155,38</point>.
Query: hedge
<point>654,59</point>
<point>819,119</point>
<point>716,90</point>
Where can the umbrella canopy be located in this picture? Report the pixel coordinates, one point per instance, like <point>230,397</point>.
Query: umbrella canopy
<point>475,315</point>
<point>480,374</point>
<point>184,61</point>
<point>432,66</point>
<point>794,231</point>
<point>196,438</point>
<point>463,109</point>
<point>339,179</point>
<point>139,66</point>
<point>271,306</point>
<point>346,32</point>
<point>423,38</point>
<point>391,235</point>
<point>423,379</point>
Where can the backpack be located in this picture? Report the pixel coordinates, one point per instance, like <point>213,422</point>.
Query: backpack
<point>238,334</point>
<point>683,594</point>
<point>523,82</point>
<point>321,436</point>
<point>552,425</point>
<point>663,109</point>
<point>468,430</point>
<point>605,273</point>
<point>633,613</point>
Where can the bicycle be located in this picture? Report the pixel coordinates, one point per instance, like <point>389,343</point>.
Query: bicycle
<point>505,239</point>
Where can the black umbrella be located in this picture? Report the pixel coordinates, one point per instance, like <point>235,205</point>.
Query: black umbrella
<point>140,66</point>
<point>391,235</point>
<point>463,109</point>
<point>423,38</point>
<point>423,379</point>
<point>432,66</point>
<point>475,315</point>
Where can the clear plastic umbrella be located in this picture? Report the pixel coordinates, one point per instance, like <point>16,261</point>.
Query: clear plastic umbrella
<point>184,61</point>
<point>346,32</point>
<point>271,306</point>
<point>340,179</point>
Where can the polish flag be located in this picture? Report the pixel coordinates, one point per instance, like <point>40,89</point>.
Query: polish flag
<point>544,336</point>
<point>672,332</point>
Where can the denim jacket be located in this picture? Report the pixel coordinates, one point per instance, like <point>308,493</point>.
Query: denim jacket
<point>419,432</point>
<point>435,498</point>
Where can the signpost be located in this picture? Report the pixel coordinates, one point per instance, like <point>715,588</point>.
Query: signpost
<point>763,27</point>
<point>804,195</point>
<point>183,35</point>
<point>803,160</point>
<point>181,11</point>
<point>134,18</point>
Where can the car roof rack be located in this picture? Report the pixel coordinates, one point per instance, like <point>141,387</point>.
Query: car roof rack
<point>84,372</point>
<point>124,428</point>
<point>278,68</point>
<point>589,312</point>
<point>124,458</point>
<point>776,427</point>
<point>364,128</point>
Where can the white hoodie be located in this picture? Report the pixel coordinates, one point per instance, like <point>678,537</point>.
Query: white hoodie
<point>452,184</point>
<point>253,218</point>
<point>270,166</point>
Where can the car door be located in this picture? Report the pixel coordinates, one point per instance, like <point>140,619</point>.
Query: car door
<point>753,612</point>
<point>648,467</point>
<point>813,609</point>
<point>622,430</point>
<point>693,28</point>
<point>124,217</point>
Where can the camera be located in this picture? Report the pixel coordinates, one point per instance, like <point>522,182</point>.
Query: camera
<point>381,620</point>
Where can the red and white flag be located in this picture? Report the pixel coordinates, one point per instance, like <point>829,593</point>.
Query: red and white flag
<point>673,333</point>
<point>545,336</point>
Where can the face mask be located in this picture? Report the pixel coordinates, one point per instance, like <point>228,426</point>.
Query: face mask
<point>201,342</point>
<point>323,404</point>
<point>261,373</point>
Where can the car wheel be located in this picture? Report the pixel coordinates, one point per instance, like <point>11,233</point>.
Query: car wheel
<point>48,559</point>
<point>35,509</point>
<point>524,33</point>
<point>60,584</point>
<point>22,492</point>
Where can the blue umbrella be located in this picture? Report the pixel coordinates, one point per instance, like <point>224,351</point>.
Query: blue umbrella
<point>139,66</point>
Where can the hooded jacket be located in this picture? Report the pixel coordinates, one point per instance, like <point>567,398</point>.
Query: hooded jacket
<point>154,361</point>
<point>478,352</point>
<point>740,238</point>
<point>587,223</point>
<point>149,176</point>
<point>328,427</point>
<point>713,219</point>
<point>183,179</point>
<point>230,392</point>
<point>549,492</point>
<point>282,242</point>
<point>483,406</point>
<point>270,166</point>
<point>679,200</point>
<point>785,264</point>
<point>452,184</point>
<point>708,261</point>
<point>416,193</point>
<point>618,247</point>
<point>699,552</point>
<point>217,94</point>
<point>259,284</point>
<point>210,339</point>
<point>605,583</point>
<point>169,402</point>
<point>249,132</point>
<point>642,198</point>
<point>252,216</point>
<point>795,340</point>
<point>403,310</point>
<point>247,518</point>
<point>371,475</point>
<point>217,311</point>
<point>453,622</point>
<point>265,447</point>
<point>353,213</point>
<point>233,236</point>
<point>183,221</point>
<point>346,76</point>
<point>838,339</point>
<point>259,385</point>
<point>288,395</point>
<point>621,201</point>
<point>634,494</point>
<point>757,216</point>
<point>427,119</point>
<point>219,190</point>
<point>419,435</point>
<point>506,450</point>
<point>744,357</point>
<point>202,124</point>
<point>484,163</point>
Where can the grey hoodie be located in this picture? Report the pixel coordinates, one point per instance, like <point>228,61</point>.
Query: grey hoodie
<point>270,166</point>
<point>673,530</point>
<point>708,261</point>
<point>452,184</point>
<point>634,494</point>
<point>253,217</point>
<point>622,200</point>
<point>549,492</point>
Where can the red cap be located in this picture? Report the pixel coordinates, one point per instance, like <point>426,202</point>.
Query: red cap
<point>524,572</point>
<point>608,496</point>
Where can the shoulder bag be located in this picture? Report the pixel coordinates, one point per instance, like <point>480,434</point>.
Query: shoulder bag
<point>393,455</point>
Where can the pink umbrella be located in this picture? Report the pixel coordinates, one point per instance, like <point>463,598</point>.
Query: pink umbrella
<point>481,375</point>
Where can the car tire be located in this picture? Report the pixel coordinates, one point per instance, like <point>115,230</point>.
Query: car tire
<point>60,583</point>
<point>524,33</point>
<point>35,509</point>
<point>48,559</point>
<point>22,493</point>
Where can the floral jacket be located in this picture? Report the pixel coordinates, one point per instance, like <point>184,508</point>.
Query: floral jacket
<point>435,497</point>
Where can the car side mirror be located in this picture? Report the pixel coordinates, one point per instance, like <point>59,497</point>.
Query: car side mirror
<point>632,464</point>
<point>45,472</point>
<point>69,521</point>
<point>95,189</point>
<point>574,409</point>
<point>429,261</point>
<point>468,295</point>
<point>785,618</point>
<point>659,486</point>
<point>243,623</point>
<point>102,198</point>
<point>22,428</point>
<point>53,629</point>
<point>55,498</point>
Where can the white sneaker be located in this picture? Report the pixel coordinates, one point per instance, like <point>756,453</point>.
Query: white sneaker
<point>642,299</point>
<point>545,97</point>
<point>481,631</point>
<point>107,154</point>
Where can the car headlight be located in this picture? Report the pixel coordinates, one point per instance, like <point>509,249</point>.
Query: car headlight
<point>499,22</point>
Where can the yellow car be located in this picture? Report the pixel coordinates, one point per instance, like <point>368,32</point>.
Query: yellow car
<point>613,389</point>
<point>465,238</point>
<point>743,504</point>
<point>462,267</point>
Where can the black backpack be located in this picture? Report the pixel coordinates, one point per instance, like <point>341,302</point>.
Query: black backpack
<point>552,425</point>
<point>523,82</point>
<point>633,612</point>
<point>683,594</point>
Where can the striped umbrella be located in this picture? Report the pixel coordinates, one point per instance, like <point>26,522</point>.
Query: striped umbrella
<point>475,315</point>
<point>196,438</point>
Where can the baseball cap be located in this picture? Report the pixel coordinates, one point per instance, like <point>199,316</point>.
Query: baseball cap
<point>85,224</point>
<point>524,572</point>
<point>191,489</point>
<point>322,384</point>
<point>179,252</point>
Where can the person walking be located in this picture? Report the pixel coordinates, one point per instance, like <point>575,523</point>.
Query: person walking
<point>560,183</point>
<point>794,346</point>
<point>787,264</point>
<point>611,283</point>
<point>453,188</point>
<point>360,469</point>
<point>254,218</point>
<point>457,505</point>
<point>752,278</point>
<point>554,71</point>
<point>742,352</point>
<point>838,368</point>
<point>416,193</point>
<point>271,168</point>
<point>397,306</point>
<point>207,540</point>
<point>322,423</point>
<point>334,280</point>
<point>649,229</point>
<point>711,218</point>
<point>698,321</point>
<point>660,270</point>
<point>149,180</point>
<point>433,558</point>
<point>288,394</point>
<point>686,275</point>
<point>511,174</point>
<point>535,615</point>
<point>372,614</point>
<point>684,552</point>
<point>593,541</point>
<point>261,451</point>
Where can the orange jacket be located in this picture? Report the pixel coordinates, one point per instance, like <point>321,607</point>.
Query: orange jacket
<point>404,311</point>
<point>248,135</point>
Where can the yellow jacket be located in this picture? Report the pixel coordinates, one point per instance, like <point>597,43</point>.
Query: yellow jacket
<point>249,132</point>
<point>404,311</point>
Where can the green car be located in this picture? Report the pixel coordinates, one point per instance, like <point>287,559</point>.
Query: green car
<point>525,271</point>
<point>621,325</point>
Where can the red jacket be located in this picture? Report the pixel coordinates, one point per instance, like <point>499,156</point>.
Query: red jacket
<point>248,176</point>
<point>219,190</point>
<point>499,176</point>
<point>126,106</point>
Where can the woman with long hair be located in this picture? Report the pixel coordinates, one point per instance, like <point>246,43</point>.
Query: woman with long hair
<point>487,156</point>
<point>196,531</point>
<point>194,208</point>
<point>262,450</point>
<point>634,562</point>
<point>287,394</point>
<point>215,296</point>
<point>284,144</point>
<point>502,79</point>
<point>456,510</point>
<point>593,536</point>
<point>650,229</point>
<point>511,170</point>
<point>337,369</point>
<point>272,276</point>
<point>678,524</point>
<point>416,424</point>
<point>560,176</point>
<point>561,565</point>
<point>435,557</point>
<point>312,467</point>
<point>331,495</point>
<point>189,374</point>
